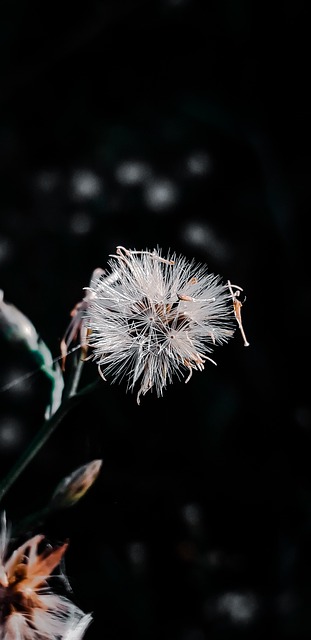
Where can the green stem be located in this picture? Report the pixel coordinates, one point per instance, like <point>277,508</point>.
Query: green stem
<point>74,379</point>
<point>41,437</point>
<point>24,525</point>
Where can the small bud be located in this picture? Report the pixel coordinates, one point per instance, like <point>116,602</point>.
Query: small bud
<point>74,486</point>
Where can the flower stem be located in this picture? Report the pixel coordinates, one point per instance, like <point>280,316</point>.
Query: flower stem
<point>41,437</point>
<point>24,525</point>
<point>74,378</point>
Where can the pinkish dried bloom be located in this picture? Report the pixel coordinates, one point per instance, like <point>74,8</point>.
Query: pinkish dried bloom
<point>29,610</point>
<point>150,318</point>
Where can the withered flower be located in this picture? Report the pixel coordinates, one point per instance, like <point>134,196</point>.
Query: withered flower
<point>29,609</point>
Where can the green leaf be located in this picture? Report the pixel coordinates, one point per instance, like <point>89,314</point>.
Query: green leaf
<point>18,329</point>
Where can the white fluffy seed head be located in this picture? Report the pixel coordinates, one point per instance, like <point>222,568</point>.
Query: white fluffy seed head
<point>151,318</point>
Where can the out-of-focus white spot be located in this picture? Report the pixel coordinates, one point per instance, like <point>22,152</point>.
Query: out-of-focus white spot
<point>200,235</point>
<point>137,553</point>
<point>199,163</point>
<point>47,181</point>
<point>161,194</point>
<point>240,607</point>
<point>85,185</point>
<point>11,433</point>
<point>192,514</point>
<point>80,223</point>
<point>6,249</point>
<point>132,172</point>
<point>195,233</point>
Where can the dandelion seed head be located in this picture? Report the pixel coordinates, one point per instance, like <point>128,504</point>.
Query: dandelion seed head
<point>151,318</point>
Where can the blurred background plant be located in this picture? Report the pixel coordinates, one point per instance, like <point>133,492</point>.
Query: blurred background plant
<point>183,124</point>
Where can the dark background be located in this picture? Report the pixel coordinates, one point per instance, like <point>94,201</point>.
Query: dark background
<point>182,124</point>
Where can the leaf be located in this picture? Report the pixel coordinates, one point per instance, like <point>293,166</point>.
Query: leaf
<point>18,329</point>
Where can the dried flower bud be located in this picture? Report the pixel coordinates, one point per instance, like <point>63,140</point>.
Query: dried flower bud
<point>73,487</point>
